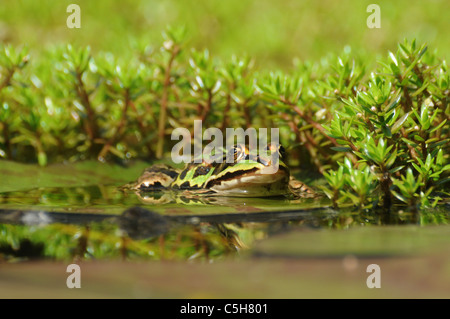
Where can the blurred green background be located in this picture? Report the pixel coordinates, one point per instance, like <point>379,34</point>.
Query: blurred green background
<point>273,32</point>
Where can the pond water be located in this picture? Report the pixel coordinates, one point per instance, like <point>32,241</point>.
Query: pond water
<point>76,211</point>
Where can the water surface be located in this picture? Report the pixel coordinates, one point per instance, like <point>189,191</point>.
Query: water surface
<point>77,210</point>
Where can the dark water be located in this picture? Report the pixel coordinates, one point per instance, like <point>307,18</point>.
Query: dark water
<point>77,212</point>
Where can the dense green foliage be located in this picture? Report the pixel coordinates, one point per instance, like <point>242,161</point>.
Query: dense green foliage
<point>389,123</point>
<point>386,126</point>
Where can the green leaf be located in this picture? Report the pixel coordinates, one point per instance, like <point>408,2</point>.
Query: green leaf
<point>396,169</point>
<point>327,191</point>
<point>399,124</point>
<point>393,104</point>
<point>366,98</point>
<point>440,157</point>
<point>438,126</point>
<point>399,196</point>
<point>393,58</point>
<point>418,169</point>
<point>420,90</point>
<point>341,149</point>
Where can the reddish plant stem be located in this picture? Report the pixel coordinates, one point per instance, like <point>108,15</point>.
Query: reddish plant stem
<point>142,128</point>
<point>178,104</point>
<point>313,142</point>
<point>246,112</point>
<point>408,105</point>
<point>120,126</point>
<point>207,107</point>
<point>164,101</point>
<point>316,125</point>
<point>311,150</point>
<point>320,128</point>
<point>90,125</point>
<point>411,149</point>
<point>225,112</point>
<point>7,80</point>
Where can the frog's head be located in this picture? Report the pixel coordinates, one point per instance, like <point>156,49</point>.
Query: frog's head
<point>251,175</point>
<point>156,177</point>
<point>247,175</point>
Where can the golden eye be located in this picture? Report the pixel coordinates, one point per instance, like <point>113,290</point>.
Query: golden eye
<point>238,152</point>
<point>271,147</point>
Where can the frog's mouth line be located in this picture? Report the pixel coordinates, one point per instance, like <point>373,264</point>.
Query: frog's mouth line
<point>229,177</point>
<point>253,182</point>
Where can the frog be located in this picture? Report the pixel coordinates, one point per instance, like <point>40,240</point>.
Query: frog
<point>244,176</point>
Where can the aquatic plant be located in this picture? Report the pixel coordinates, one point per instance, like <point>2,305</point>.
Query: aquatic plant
<point>369,130</point>
<point>396,125</point>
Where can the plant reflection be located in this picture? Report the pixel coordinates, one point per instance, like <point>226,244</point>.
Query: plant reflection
<point>91,223</point>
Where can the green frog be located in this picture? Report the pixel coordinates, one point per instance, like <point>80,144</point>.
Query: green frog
<point>244,177</point>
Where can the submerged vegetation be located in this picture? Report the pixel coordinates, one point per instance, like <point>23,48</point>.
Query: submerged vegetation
<point>379,135</point>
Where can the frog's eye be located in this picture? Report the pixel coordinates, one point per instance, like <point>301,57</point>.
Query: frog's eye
<point>237,153</point>
<point>271,147</point>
